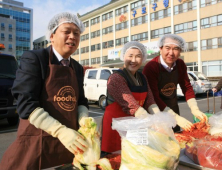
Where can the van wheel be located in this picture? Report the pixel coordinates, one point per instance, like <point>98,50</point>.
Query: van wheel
<point>13,120</point>
<point>102,102</point>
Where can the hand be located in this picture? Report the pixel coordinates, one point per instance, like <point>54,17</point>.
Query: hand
<point>72,140</point>
<point>195,110</point>
<point>214,90</point>
<point>184,123</point>
<point>200,115</point>
<point>141,113</point>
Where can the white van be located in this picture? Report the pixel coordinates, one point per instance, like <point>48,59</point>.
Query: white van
<point>203,84</point>
<point>95,84</point>
<point>193,84</point>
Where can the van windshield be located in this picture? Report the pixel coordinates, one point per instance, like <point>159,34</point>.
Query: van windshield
<point>8,67</point>
<point>200,75</point>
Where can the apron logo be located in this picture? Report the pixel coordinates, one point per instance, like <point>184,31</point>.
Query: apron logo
<point>168,89</point>
<point>66,98</point>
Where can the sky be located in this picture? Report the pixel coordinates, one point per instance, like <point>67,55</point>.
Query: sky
<point>44,10</point>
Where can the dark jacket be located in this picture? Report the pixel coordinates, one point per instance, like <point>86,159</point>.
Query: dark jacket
<point>30,78</point>
<point>219,85</point>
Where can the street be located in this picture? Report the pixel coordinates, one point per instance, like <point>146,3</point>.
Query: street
<point>8,133</point>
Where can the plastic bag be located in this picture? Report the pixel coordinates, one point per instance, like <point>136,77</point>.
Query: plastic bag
<point>215,122</point>
<point>209,153</point>
<point>147,143</point>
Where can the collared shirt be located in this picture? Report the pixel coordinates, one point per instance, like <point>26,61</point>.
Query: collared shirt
<point>165,65</point>
<point>58,55</point>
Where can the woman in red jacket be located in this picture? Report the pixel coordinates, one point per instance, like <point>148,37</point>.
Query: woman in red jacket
<point>128,94</point>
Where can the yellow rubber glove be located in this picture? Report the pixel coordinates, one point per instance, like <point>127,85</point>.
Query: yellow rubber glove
<point>70,138</point>
<point>141,113</point>
<point>153,109</point>
<point>192,103</point>
<point>182,122</point>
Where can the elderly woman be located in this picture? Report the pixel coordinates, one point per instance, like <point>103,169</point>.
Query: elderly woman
<point>128,94</point>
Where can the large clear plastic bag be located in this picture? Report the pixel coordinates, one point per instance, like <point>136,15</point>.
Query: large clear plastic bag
<point>148,143</point>
<point>209,153</point>
<point>215,122</point>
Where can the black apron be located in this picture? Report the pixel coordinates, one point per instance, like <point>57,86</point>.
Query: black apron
<point>167,86</point>
<point>35,149</point>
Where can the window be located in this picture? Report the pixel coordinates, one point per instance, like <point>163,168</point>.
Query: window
<point>160,14</point>
<point>122,26</point>
<point>76,52</point>
<point>188,6</point>
<point>121,10</point>
<point>105,74</point>
<point>139,20</point>
<point>121,41</point>
<point>140,37</point>
<point>95,47</point>
<point>95,21</point>
<point>10,37</point>
<point>93,61</point>
<point>10,27</point>
<point>185,27</point>
<point>85,49</point>
<point>159,32</point>
<point>92,74</point>
<point>211,21</point>
<point>192,46</point>
<point>2,36</point>
<point>107,16</point>
<point>2,26</point>
<point>10,47</point>
<point>108,44</point>
<point>86,24</point>
<point>84,37</point>
<point>98,60</point>
<point>138,4</point>
<point>104,59</point>
<point>107,30</point>
<point>95,34</point>
<point>211,43</point>
<point>204,3</point>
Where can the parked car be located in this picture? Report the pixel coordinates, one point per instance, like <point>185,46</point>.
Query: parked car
<point>8,67</point>
<point>203,84</point>
<point>193,84</point>
<point>95,84</point>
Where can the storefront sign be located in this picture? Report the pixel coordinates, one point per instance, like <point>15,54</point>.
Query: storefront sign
<point>154,6</point>
<point>166,3</point>
<point>151,49</point>
<point>143,10</point>
<point>134,13</point>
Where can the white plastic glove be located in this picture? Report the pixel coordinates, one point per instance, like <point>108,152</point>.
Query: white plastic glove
<point>141,113</point>
<point>182,122</point>
<point>70,138</point>
<point>82,112</point>
<point>153,109</point>
<point>192,103</point>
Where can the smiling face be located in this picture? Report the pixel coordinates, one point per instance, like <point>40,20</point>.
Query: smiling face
<point>170,52</point>
<point>133,60</point>
<point>66,38</point>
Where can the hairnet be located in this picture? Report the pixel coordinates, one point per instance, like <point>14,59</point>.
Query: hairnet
<point>134,44</point>
<point>172,39</point>
<point>61,18</point>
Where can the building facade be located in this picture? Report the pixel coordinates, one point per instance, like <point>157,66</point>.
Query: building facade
<point>199,22</point>
<point>8,34</point>
<point>23,27</point>
<point>39,43</point>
